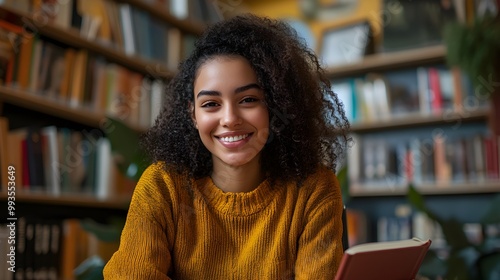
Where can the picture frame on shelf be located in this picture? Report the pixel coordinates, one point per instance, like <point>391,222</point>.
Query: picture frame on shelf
<point>346,44</point>
<point>416,24</point>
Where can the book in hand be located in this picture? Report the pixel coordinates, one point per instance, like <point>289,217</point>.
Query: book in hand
<point>393,260</point>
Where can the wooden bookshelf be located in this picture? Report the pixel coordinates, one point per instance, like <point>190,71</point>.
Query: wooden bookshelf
<point>72,38</point>
<point>390,61</point>
<point>55,108</point>
<point>488,187</point>
<point>149,73</point>
<point>417,119</point>
<point>75,200</point>
<point>379,199</point>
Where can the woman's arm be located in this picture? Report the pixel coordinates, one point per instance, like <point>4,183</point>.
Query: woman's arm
<point>320,244</point>
<point>146,240</point>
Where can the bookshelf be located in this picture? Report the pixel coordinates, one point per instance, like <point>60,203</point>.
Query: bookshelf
<point>72,38</point>
<point>74,200</point>
<point>106,63</point>
<point>381,65</point>
<point>389,61</point>
<point>377,200</point>
<point>430,190</point>
<point>417,119</point>
<point>52,107</point>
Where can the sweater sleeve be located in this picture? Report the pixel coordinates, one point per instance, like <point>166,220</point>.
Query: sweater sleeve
<point>320,244</point>
<point>147,237</point>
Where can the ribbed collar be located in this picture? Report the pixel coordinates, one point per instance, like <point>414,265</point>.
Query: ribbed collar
<point>237,204</point>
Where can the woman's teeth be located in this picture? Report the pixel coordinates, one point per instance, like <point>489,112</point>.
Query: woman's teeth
<point>234,138</point>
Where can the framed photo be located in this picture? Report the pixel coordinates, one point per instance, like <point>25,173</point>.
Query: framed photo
<point>347,44</point>
<point>413,24</point>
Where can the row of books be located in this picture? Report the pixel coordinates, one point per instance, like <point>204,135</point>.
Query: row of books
<point>425,90</point>
<point>195,10</point>
<point>63,12</point>
<point>62,161</point>
<point>77,78</point>
<point>420,225</point>
<point>51,248</point>
<point>405,224</point>
<point>149,37</point>
<point>437,160</point>
<point>118,25</point>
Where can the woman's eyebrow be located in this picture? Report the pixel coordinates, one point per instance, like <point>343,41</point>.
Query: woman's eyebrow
<point>237,90</point>
<point>208,93</point>
<point>247,87</point>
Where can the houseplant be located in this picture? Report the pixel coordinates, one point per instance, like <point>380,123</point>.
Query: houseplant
<point>465,260</point>
<point>475,49</point>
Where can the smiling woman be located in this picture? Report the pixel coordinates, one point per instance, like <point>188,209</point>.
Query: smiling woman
<point>242,183</point>
<point>232,119</point>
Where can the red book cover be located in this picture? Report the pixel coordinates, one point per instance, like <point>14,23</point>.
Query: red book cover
<point>435,87</point>
<point>383,260</point>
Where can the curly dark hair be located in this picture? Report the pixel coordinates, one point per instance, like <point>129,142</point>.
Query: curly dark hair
<point>308,126</point>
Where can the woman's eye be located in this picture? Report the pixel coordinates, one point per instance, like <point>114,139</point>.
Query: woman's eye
<point>209,104</point>
<point>249,99</point>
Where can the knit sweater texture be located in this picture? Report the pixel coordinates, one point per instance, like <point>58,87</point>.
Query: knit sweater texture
<point>196,231</point>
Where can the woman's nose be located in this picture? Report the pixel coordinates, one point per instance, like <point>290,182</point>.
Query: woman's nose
<point>231,117</point>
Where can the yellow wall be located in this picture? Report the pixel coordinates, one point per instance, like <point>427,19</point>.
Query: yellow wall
<point>365,10</point>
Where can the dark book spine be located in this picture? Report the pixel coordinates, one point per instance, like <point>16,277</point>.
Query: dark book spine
<point>20,248</point>
<point>76,18</point>
<point>54,254</point>
<point>34,145</point>
<point>29,270</point>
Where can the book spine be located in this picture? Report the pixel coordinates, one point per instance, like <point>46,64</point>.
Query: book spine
<point>34,148</point>
<point>434,85</point>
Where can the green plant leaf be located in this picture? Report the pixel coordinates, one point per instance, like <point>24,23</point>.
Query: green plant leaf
<point>492,215</point>
<point>123,139</point>
<point>90,269</point>
<point>489,266</point>
<point>474,48</point>
<point>417,200</point>
<point>106,233</point>
<point>454,234</point>
<point>344,184</point>
<point>433,267</point>
<point>131,160</point>
<point>457,268</point>
<point>452,230</point>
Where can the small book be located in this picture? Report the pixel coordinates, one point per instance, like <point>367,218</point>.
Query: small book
<point>391,260</point>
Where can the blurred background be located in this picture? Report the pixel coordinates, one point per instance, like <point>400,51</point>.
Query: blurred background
<point>419,82</point>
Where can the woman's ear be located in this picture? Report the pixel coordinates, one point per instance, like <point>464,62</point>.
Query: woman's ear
<point>193,118</point>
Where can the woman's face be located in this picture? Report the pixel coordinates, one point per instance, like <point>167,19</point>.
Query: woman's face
<point>229,111</point>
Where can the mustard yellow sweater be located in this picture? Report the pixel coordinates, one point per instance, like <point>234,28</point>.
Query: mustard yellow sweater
<point>273,232</point>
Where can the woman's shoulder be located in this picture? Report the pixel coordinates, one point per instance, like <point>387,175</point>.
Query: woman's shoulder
<point>157,178</point>
<point>322,182</point>
<point>322,175</point>
<point>160,171</point>
<point>155,174</point>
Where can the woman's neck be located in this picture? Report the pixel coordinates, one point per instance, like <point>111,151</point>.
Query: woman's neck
<point>237,179</point>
